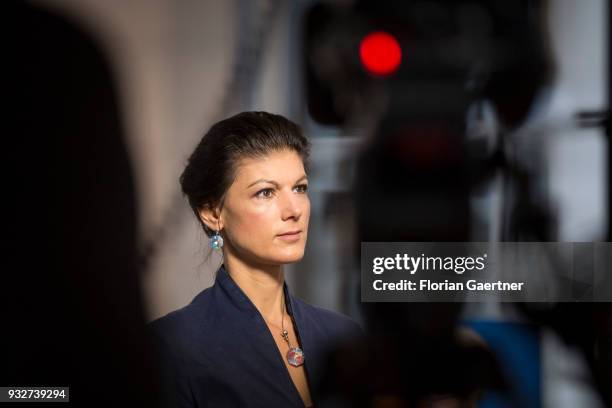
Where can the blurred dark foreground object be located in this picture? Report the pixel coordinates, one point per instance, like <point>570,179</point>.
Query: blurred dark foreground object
<point>74,314</point>
<point>392,372</point>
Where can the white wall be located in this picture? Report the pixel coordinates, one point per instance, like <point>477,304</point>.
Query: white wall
<point>576,157</point>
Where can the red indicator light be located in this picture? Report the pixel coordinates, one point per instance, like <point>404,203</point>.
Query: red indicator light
<point>380,53</point>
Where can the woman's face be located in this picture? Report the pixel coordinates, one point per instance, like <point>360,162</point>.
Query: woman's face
<point>267,200</point>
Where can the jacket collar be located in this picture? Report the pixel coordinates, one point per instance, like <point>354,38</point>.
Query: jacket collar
<point>304,329</point>
<point>241,300</point>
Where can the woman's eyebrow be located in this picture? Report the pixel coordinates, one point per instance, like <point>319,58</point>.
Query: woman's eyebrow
<point>273,182</point>
<point>263,181</point>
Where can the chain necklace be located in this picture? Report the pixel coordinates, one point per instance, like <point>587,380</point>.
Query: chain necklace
<point>295,355</point>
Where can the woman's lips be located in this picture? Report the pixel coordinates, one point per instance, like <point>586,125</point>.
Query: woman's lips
<point>291,237</point>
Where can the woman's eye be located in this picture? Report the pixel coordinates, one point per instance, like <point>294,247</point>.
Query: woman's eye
<point>302,188</point>
<point>265,193</point>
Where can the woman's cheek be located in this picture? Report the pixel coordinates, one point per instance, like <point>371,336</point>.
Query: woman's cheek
<point>254,223</point>
<point>307,207</point>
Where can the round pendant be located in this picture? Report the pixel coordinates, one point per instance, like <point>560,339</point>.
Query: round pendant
<point>295,356</point>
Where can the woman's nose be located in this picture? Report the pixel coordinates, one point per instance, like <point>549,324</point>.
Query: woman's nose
<point>290,206</point>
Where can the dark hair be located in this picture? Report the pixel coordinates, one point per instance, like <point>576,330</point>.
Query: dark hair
<point>211,168</point>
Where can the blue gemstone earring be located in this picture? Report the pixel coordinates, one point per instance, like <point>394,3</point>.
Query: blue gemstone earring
<point>216,241</point>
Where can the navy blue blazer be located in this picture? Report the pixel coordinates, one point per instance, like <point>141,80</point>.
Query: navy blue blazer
<point>218,351</point>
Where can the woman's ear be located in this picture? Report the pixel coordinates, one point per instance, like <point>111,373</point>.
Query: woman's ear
<point>211,217</point>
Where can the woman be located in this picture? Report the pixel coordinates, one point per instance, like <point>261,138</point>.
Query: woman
<point>247,341</point>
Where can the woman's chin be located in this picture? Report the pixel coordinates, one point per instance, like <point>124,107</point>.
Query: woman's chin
<point>285,257</point>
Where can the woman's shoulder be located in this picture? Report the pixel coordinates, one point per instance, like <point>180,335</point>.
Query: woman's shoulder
<point>180,323</point>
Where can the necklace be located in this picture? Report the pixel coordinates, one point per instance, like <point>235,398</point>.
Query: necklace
<point>295,355</point>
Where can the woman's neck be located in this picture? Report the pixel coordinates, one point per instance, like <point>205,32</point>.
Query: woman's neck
<point>263,285</point>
